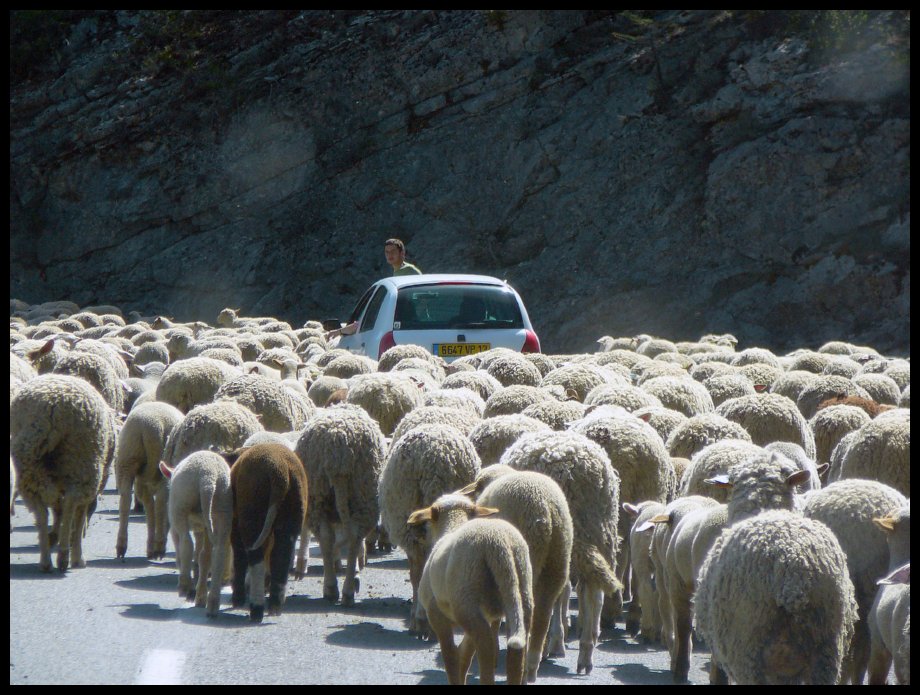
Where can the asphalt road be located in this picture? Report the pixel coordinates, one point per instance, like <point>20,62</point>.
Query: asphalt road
<point>122,622</point>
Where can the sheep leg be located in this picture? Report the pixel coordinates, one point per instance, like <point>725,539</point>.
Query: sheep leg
<point>124,509</point>
<point>352,583</point>
<point>144,495</point>
<point>218,565</point>
<point>204,566</point>
<point>542,615</point>
<point>281,557</point>
<point>453,661</point>
<point>303,552</point>
<point>555,645</point>
<point>44,541</point>
<point>161,520</point>
<point>649,615</point>
<point>717,675</point>
<point>590,604</point>
<point>514,659</point>
<point>327,547</point>
<point>79,530</point>
<point>256,560</point>
<point>467,652</point>
<point>683,621</point>
<point>68,510</point>
<point>240,563</point>
<point>485,637</point>
<point>182,539</point>
<point>417,622</point>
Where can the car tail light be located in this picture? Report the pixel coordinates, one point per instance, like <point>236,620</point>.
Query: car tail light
<point>531,342</point>
<point>386,342</point>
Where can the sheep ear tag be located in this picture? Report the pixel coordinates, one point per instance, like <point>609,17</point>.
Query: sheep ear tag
<point>719,481</point>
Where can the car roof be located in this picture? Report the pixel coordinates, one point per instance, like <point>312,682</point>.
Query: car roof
<point>400,281</point>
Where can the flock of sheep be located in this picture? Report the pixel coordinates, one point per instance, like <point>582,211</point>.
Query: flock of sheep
<point>761,500</point>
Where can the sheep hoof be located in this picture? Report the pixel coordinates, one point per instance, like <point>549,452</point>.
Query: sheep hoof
<point>331,593</point>
<point>121,551</point>
<point>348,599</point>
<point>300,571</point>
<point>63,560</point>
<point>256,613</point>
<point>45,567</point>
<point>357,585</point>
<point>190,594</point>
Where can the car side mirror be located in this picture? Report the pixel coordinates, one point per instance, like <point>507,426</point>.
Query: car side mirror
<point>331,324</point>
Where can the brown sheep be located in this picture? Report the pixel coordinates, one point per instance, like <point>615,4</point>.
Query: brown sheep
<point>269,508</point>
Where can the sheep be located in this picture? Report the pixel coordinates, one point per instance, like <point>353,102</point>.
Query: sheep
<point>386,398</point>
<point>537,507</point>
<point>829,425</point>
<point>426,365</point>
<point>898,370</point>
<point>663,420</point>
<point>394,355</point>
<point>437,414</point>
<point>513,399</point>
<point>138,453</point>
<point>889,617</point>
<point>711,461</point>
<point>766,481</point>
<point>478,571</point>
<point>493,435</point>
<point>62,440</point>
<point>342,450</point>
<point>768,417</point>
<point>423,464</point>
<point>880,387</point>
<point>348,365</point>
<point>592,488</point>
<point>823,387</point>
<point>556,414</point>
<point>223,426</point>
<point>904,400</point>
<point>269,510</point>
<point>514,369</point>
<point>482,383</point>
<point>577,378</point>
<point>848,508</point>
<point>642,618</point>
<point>880,450</point>
<point>323,387</point>
<point>792,383</point>
<point>626,396</point>
<point>703,371</point>
<point>699,431</point>
<point>682,394</point>
<point>96,370</point>
<point>646,371</point>
<point>458,398</point>
<point>544,363</point>
<point>193,382</point>
<point>200,502</point>
<point>651,347</point>
<point>279,409</point>
<point>723,387</point>
<point>641,461</point>
<point>774,601</point>
<point>871,408</point>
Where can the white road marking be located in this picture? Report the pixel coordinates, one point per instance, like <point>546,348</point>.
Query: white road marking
<point>161,667</point>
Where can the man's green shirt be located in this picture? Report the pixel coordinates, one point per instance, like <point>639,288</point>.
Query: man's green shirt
<point>407,269</point>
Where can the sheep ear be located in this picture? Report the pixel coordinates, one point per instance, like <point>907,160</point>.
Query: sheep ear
<point>484,511</point>
<point>760,388</point>
<point>645,417</point>
<point>798,478</point>
<point>631,509</point>
<point>886,523</point>
<point>276,363</point>
<point>660,519</point>
<point>469,490</point>
<point>719,481</point>
<point>166,470</point>
<point>230,457</point>
<point>899,576</point>
<point>823,468</point>
<point>419,517</point>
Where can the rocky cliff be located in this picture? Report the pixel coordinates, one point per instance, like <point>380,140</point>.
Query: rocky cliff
<point>669,173</point>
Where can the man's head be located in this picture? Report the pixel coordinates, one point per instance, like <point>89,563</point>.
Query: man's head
<point>395,251</point>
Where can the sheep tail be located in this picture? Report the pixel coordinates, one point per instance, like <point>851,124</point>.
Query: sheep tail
<point>595,568</point>
<point>506,569</point>
<point>206,499</point>
<point>270,516</point>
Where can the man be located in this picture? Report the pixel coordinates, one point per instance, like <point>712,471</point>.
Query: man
<point>395,251</point>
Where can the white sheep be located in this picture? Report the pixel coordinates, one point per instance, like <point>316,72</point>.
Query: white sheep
<point>680,393</point>
<point>699,431</point>
<point>623,395</point>
<point>342,450</point>
<point>138,453</point>
<point>386,397</point>
<point>823,387</point>
<point>514,399</point>
<point>514,369</point>
<point>493,435</point>
<point>830,425</point>
<point>880,450</point>
<point>723,387</point>
<point>192,382</point>
<point>200,503</point>
<point>769,417</point>
<point>537,507</point>
<point>221,426</point>
<point>643,618</point>
<point>478,572</point>
<point>592,488</point>
<point>847,508</point>
<point>425,463</point>
<point>557,414</point>
<point>889,617</point>
<point>663,420</point>
<point>482,382</point>
<point>715,459</point>
<point>278,409</point>
<point>774,601</point>
<point>62,440</point>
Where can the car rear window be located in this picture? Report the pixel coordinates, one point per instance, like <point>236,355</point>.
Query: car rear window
<point>456,306</point>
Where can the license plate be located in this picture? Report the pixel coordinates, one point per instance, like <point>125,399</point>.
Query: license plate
<point>459,349</point>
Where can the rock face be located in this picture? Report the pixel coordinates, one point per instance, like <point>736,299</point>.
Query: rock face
<point>674,174</point>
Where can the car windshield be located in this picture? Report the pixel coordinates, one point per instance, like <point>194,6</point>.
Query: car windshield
<point>424,307</point>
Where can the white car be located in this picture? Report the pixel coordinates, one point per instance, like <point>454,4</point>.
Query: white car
<point>450,315</point>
